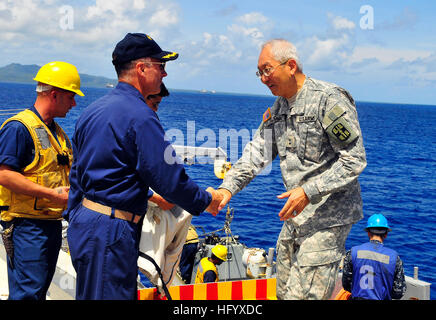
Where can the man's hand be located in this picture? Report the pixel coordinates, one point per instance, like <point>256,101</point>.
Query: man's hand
<point>161,202</point>
<point>297,201</point>
<point>60,195</point>
<point>215,204</point>
<point>227,195</point>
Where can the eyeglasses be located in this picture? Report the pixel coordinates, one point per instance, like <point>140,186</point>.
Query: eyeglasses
<point>268,70</point>
<point>162,64</point>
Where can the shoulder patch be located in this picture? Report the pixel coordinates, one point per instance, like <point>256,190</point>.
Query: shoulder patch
<point>267,115</point>
<point>331,116</point>
<point>341,132</point>
<point>338,127</point>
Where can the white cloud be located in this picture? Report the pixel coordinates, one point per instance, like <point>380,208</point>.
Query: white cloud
<point>340,23</point>
<point>139,4</point>
<point>328,51</point>
<point>416,66</point>
<point>386,56</point>
<point>32,30</point>
<point>99,23</point>
<point>324,53</point>
<point>252,18</point>
<point>164,17</point>
<point>235,47</point>
<point>252,33</point>
<point>251,30</point>
<point>22,15</point>
<point>211,49</point>
<point>339,51</point>
<point>104,7</point>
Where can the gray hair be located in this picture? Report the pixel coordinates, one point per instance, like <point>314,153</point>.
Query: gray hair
<point>42,87</point>
<point>283,50</point>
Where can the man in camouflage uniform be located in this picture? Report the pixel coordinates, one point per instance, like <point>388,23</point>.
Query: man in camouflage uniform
<point>313,127</point>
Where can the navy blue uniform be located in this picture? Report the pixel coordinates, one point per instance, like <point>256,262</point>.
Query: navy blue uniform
<point>119,152</point>
<point>36,242</point>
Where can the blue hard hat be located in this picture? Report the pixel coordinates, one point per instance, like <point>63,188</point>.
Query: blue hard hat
<point>377,221</point>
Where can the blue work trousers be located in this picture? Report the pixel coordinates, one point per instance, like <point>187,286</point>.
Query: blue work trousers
<point>187,260</point>
<point>104,253</point>
<point>36,250</point>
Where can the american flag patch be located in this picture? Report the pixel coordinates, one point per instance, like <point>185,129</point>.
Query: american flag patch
<point>267,115</point>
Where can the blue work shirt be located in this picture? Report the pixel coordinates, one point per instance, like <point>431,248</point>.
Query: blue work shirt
<point>17,149</point>
<point>118,149</point>
<point>374,267</point>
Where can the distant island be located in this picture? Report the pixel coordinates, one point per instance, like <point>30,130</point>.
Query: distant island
<point>18,73</point>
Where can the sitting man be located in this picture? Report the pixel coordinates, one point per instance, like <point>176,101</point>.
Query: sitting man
<point>207,270</point>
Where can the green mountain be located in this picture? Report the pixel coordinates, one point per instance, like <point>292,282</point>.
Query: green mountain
<point>19,73</point>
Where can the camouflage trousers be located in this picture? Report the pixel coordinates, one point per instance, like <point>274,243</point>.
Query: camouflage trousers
<point>307,266</point>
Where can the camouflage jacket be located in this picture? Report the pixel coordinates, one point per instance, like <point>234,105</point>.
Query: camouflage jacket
<point>317,136</point>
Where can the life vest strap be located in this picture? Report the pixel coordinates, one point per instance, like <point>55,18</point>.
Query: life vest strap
<point>165,288</point>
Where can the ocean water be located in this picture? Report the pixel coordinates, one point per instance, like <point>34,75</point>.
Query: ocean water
<point>399,180</point>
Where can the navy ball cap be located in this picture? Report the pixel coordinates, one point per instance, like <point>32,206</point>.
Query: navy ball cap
<point>139,45</point>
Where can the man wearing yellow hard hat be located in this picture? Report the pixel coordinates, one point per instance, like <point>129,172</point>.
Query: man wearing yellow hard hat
<point>207,270</point>
<point>35,161</point>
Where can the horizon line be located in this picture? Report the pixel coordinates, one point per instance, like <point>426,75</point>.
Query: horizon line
<point>210,92</point>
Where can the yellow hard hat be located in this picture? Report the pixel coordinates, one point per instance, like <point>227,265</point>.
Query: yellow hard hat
<point>220,252</point>
<point>61,75</point>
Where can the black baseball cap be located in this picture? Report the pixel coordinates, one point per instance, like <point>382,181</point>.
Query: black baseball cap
<point>139,45</point>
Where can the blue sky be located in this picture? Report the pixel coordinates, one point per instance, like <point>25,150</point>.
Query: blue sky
<point>390,58</point>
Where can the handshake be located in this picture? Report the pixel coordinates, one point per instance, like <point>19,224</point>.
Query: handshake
<point>296,201</point>
<point>220,198</point>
